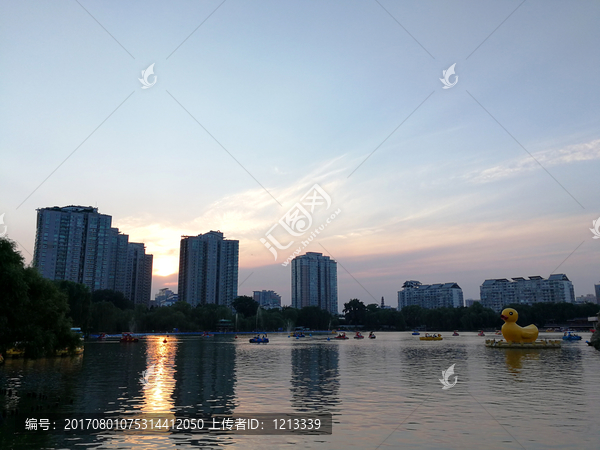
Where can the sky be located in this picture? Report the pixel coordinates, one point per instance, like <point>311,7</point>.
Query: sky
<point>255,103</point>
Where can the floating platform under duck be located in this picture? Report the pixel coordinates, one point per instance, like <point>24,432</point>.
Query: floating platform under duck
<point>544,343</point>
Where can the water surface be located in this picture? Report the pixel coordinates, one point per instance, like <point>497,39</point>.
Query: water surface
<point>383,393</point>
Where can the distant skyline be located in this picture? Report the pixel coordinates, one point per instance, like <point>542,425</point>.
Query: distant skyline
<point>254,103</point>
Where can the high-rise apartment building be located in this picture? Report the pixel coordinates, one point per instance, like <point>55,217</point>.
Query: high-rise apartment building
<point>314,282</point>
<point>208,269</point>
<point>139,274</point>
<point>117,277</point>
<point>71,244</point>
<point>76,243</point>
<point>267,299</point>
<point>440,295</point>
<point>497,293</point>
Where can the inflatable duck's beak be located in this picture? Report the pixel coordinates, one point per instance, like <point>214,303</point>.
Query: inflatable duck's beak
<point>503,317</point>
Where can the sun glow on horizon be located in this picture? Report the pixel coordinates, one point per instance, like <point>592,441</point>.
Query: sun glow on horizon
<point>163,266</point>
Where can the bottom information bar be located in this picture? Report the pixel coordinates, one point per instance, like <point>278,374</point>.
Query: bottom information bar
<point>156,423</point>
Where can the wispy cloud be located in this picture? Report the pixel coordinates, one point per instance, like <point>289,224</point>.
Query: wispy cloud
<point>244,216</point>
<point>573,153</point>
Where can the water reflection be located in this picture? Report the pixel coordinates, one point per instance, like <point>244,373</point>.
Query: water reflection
<point>315,378</point>
<point>29,386</point>
<point>516,357</point>
<point>207,376</point>
<point>423,365</point>
<point>158,382</point>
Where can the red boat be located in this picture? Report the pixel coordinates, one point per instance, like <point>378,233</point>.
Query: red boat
<point>358,335</point>
<point>481,333</point>
<point>341,336</point>
<point>128,337</point>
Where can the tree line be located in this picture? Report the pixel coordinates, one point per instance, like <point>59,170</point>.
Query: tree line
<point>475,317</point>
<point>111,312</point>
<point>38,313</point>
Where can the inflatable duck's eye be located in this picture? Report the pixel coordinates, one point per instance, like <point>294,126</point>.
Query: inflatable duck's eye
<point>510,313</point>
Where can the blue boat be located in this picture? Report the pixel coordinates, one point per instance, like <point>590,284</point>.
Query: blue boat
<point>571,337</point>
<point>259,340</point>
<point>415,333</point>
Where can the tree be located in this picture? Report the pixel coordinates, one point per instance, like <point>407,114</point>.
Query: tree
<point>14,292</point>
<point>314,318</point>
<point>355,312</point>
<point>245,305</point>
<point>372,307</point>
<point>33,311</point>
<point>115,297</point>
<point>413,315</point>
<point>80,299</point>
<point>290,317</point>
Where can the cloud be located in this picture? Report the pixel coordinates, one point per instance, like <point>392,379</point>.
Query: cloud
<point>245,216</point>
<point>573,153</point>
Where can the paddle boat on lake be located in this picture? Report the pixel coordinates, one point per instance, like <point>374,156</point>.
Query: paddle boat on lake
<point>341,336</point>
<point>481,333</point>
<point>372,335</point>
<point>431,337</point>
<point>15,352</point>
<point>570,336</point>
<point>259,339</point>
<point>128,337</point>
<point>415,333</point>
<point>455,333</point>
<point>358,335</point>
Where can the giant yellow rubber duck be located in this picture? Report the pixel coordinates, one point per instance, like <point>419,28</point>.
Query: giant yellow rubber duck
<point>513,332</point>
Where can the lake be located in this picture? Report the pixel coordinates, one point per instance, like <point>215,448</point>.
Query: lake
<point>383,393</point>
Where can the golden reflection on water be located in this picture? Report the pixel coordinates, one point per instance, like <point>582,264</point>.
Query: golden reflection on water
<point>516,357</point>
<point>160,380</point>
